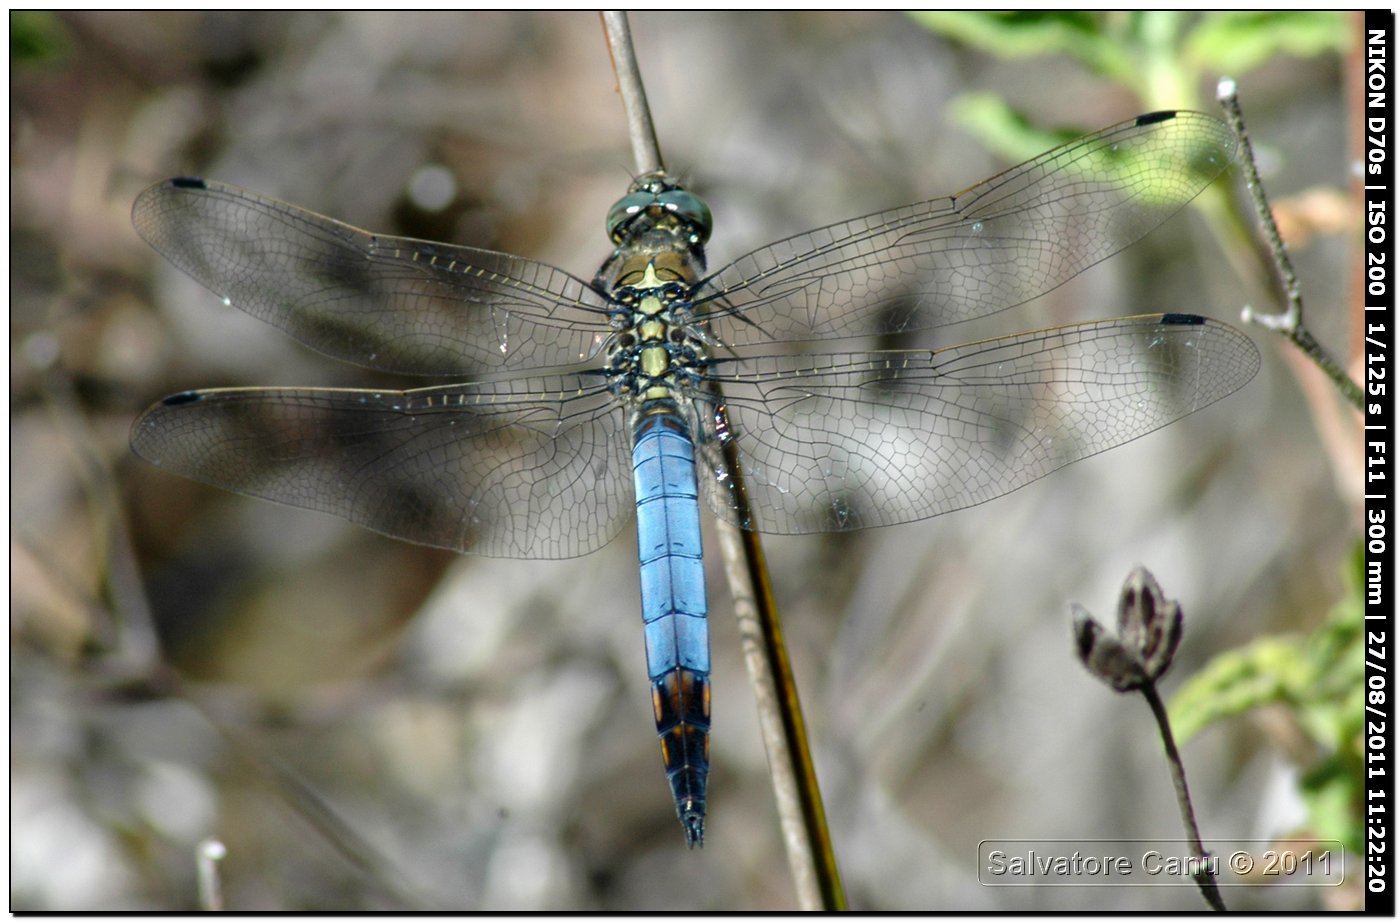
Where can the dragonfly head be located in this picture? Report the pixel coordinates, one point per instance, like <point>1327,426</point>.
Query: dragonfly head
<point>656,202</point>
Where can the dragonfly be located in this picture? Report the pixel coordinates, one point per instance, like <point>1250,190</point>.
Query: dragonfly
<point>575,405</point>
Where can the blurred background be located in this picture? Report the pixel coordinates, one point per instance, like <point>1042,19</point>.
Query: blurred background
<point>367,724</point>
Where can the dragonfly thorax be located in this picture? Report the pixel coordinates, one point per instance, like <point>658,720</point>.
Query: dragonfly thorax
<point>657,352</point>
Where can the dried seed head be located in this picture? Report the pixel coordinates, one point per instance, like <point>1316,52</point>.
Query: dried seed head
<point>1149,631</point>
<point>1104,656</point>
<point>1149,623</point>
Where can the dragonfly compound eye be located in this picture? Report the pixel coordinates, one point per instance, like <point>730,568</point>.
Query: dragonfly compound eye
<point>622,213</point>
<point>691,209</point>
<point>679,206</point>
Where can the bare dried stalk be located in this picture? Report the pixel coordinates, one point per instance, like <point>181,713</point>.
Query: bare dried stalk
<point>1290,322</point>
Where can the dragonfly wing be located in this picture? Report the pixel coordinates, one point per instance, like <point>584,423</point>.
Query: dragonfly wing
<point>391,303</point>
<point>536,467</point>
<point>837,442</point>
<point>998,244</point>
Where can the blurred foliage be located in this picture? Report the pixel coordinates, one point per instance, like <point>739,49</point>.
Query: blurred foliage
<point>1163,57</point>
<point>1318,679</point>
<point>36,37</point>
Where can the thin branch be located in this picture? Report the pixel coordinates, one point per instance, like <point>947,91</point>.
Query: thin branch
<point>1205,880</point>
<point>802,816</point>
<point>1290,322</point>
<point>130,638</point>
<point>365,858</point>
<point>646,151</point>
<point>207,856</point>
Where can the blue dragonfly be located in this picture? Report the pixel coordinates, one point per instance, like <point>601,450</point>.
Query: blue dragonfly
<point>586,402</point>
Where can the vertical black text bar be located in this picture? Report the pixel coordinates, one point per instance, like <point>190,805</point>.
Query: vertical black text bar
<point>1379,819</point>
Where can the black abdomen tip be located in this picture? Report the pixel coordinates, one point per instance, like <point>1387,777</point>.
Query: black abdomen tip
<point>694,830</point>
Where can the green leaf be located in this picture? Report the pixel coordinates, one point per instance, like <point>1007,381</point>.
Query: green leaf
<point>1004,131</point>
<point>1333,794</point>
<point>1319,677</point>
<point>1236,682</point>
<point>1081,35</point>
<point>36,37</point>
<point>1237,42</point>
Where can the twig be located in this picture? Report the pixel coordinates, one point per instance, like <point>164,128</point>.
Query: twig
<point>207,856</point>
<point>801,815</point>
<point>130,638</point>
<point>365,858</point>
<point>646,151</point>
<point>162,681</point>
<point>1290,322</point>
<point>1205,880</point>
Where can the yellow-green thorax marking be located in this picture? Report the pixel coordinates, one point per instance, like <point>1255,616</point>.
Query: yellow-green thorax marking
<point>657,355</point>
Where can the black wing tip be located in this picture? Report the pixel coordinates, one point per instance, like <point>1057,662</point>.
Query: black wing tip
<point>184,397</point>
<point>1152,118</point>
<point>1182,320</point>
<point>188,182</point>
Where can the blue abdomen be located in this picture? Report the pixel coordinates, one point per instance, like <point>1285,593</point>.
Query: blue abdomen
<point>673,606</point>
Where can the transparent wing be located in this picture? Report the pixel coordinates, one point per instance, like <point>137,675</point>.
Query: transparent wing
<point>535,467</point>
<point>838,442</point>
<point>391,303</point>
<point>995,245</point>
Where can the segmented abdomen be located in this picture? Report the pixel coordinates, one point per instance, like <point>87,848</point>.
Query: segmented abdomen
<point>673,607</point>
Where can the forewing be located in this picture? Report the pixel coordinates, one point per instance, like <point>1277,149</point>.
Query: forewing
<point>392,303</point>
<point>534,467</point>
<point>1000,243</point>
<point>838,442</point>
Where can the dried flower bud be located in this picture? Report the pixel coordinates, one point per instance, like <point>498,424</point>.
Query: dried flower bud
<point>1104,656</point>
<point>1149,630</point>
<point>1149,623</point>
